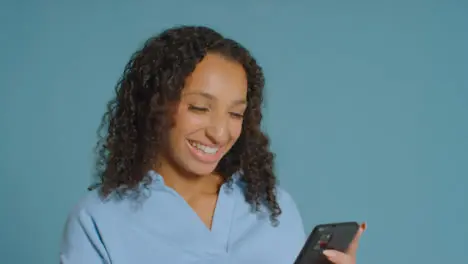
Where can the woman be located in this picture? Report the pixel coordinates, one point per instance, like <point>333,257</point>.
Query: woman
<point>184,162</point>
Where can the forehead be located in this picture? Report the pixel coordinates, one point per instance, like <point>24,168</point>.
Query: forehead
<point>220,77</point>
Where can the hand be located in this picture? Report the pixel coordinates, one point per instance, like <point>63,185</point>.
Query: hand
<point>349,257</point>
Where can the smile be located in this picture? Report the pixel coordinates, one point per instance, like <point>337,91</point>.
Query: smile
<point>205,149</point>
<point>203,153</point>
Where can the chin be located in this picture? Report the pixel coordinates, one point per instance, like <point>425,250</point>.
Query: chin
<point>201,169</point>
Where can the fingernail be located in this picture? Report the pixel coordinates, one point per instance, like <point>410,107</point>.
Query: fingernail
<point>364,226</point>
<point>329,253</point>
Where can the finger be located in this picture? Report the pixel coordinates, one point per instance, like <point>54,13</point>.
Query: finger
<point>337,257</point>
<point>352,249</point>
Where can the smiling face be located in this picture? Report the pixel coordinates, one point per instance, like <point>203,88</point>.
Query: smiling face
<point>208,118</point>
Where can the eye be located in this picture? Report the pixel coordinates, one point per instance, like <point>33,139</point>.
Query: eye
<point>198,109</point>
<point>237,115</point>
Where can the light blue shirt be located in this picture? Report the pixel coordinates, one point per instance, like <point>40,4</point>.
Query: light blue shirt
<point>162,228</point>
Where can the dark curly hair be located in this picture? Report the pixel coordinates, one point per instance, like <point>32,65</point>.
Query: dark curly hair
<point>138,117</point>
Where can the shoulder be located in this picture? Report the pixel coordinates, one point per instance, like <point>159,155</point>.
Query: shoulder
<point>286,201</point>
<point>81,241</point>
<point>94,206</point>
<point>290,217</point>
<point>289,224</point>
<point>289,230</point>
<point>87,204</point>
<point>91,209</point>
<point>79,220</point>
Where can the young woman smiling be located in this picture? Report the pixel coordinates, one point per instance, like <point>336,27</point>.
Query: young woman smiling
<point>183,163</point>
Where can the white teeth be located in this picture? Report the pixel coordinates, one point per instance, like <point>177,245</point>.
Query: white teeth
<point>206,149</point>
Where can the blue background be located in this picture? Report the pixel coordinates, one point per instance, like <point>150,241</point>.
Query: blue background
<point>367,107</point>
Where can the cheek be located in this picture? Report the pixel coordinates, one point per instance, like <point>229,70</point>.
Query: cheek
<point>236,129</point>
<point>187,123</point>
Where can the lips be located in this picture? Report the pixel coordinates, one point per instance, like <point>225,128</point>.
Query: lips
<point>203,153</point>
<point>206,149</point>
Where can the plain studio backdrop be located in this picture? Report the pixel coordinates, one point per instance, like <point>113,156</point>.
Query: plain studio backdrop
<point>366,105</point>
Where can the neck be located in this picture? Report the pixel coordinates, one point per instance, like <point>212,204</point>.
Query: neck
<point>189,185</point>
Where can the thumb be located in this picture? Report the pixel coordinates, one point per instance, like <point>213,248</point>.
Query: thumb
<point>336,257</point>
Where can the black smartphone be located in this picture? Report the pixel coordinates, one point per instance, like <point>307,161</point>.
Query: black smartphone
<point>337,236</point>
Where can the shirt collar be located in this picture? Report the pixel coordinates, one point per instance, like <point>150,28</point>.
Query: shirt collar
<point>158,180</point>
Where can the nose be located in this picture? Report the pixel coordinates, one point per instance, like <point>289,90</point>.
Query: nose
<point>218,131</point>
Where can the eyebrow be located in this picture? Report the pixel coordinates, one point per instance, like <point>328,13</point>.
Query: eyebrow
<point>211,97</point>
